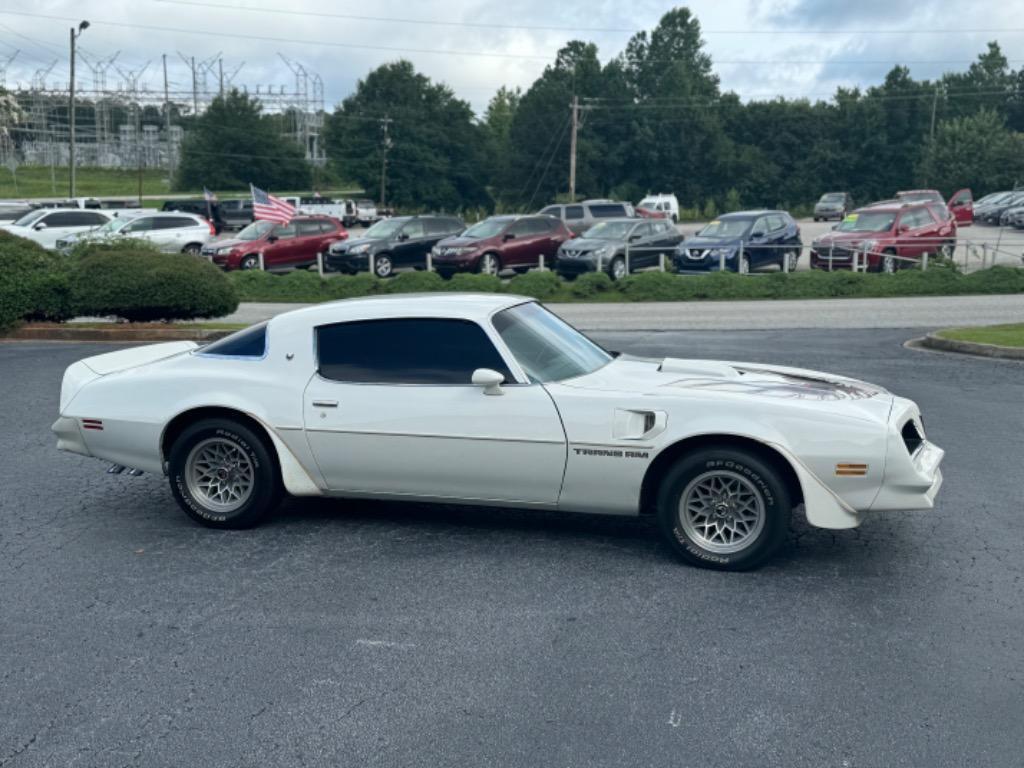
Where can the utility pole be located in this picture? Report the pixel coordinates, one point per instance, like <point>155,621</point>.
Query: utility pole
<point>195,96</point>
<point>385,121</point>
<point>71,110</point>
<point>220,71</point>
<point>575,106</point>
<point>935,104</point>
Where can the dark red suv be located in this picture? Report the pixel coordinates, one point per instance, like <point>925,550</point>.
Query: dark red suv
<point>884,233</point>
<point>501,242</point>
<point>284,246</point>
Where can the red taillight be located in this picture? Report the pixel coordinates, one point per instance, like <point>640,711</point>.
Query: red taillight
<point>213,229</point>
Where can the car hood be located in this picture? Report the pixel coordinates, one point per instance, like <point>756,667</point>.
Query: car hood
<point>584,244</point>
<point>848,238</point>
<point>712,242</point>
<point>232,243</point>
<point>463,242</point>
<point>723,380</point>
<point>347,245</point>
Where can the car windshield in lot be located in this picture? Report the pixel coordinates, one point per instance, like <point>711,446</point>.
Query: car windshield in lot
<point>726,228</point>
<point>609,230</point>
<point>867,222</point>
<point>486,228</point>
<point>832,197</point>
<point>256,230</point>
<point>384,229</point>
<point>547,348</point>
<point>31,217</point>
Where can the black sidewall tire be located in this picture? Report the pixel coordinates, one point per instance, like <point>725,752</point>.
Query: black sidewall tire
<point>762,474</point>
<point>249,262</point>
<point>390,267</point>
<point>267,484</point>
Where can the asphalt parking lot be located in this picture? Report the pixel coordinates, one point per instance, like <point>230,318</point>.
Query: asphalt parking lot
<point>382,634</point>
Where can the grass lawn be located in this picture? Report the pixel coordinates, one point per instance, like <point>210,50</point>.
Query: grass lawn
<point>36,181</point>
<point>1011,335</point>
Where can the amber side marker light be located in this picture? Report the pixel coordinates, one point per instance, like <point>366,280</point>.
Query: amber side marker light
<point>851,470</point>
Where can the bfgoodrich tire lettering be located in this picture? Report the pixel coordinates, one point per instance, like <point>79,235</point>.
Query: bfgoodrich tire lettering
<point>748,508</point>
<point>223,449</point>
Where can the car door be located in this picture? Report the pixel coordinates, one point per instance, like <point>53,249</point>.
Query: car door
<point>757,249</point>
<point>961,205</point>
<point>308,239</point>
<point>639,239</point>
<point>520,247</point>
<point>912,225</point>
<point>280,248</point>
<point>551,236</point>
<point>409,248</point>
<point>141,229</point>
<point>391,411</point>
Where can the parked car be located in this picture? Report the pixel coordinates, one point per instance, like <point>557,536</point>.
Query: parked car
<point>833,205</point>
<point>170,232</point>
<point>603,247</point>
<point>501,242</point>
<point>235,214</point>
<point>885,234</point>
<point>490,397</point>
<point>992,213</point>
<point>1013,217</point>
<point>199,207</point>
<point>743,241</point>
<point>579,217</point>
<point>659,207</point>
<point>48,225</point>
<point>283,246</point>
<point>366,212</point>
<point>12,210</point>
<point>403,241</point>
<point>961,204</point>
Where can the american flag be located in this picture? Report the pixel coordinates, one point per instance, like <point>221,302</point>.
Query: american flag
<point>269,208</point>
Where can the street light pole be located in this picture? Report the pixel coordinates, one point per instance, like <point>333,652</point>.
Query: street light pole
<point>71,111</point>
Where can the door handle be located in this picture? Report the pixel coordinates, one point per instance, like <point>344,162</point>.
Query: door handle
<point>325,403</point>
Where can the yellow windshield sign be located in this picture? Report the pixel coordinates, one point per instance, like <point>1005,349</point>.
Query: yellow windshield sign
<point>851,218</point>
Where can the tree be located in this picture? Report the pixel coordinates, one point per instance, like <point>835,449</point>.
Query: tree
<point>977,151</point>
<point>501,111</point>
<point>435,150</point>
<point>232,145</point>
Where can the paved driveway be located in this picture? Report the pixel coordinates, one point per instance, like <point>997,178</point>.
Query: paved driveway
<point>345,634</point>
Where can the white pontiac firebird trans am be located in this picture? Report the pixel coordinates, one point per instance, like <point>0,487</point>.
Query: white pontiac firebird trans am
<point>493,400</point>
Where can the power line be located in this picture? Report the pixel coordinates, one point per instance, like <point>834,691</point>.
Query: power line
<point>453,52</point>
<point>575,29</point>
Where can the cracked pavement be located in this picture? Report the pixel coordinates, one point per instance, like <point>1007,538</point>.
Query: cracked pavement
<point>379,634</point>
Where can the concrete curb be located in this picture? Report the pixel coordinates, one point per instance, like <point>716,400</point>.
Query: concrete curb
<point>116,333</point>
<point>932,341</point>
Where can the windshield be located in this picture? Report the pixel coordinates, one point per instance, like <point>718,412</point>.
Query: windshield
<point>726,228</point>
<point>486,228</point>
<point>114,225</point>
<point>916,197</point>
<point>255,231</point>
<point>878,221</point>
<point>995,197</point>
<point>384,229</point>
<point>609,230</point>
<point>29,218</point>
<point>546,347</point>
<point>832,197</point>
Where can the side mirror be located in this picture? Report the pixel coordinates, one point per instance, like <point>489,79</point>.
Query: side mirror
<point>490,380</point>
<point>904,228</point>
<point>509,236</point>
<point>403,236</point>
<point>835,226</point>
<point>40,226</point>
<point>272,239</point>
<point>759,233</point>
<point>634,238</point>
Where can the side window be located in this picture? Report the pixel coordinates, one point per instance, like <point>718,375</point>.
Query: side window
<point>308,228</point>
<point>761,225</point>
<point>328,227</point>
<point>167,222</point>
<point>251,342</point>
<point>413,229</point>
<point>284,231</point>
<point>573,212</point>
<point>962,197</point>
<point>538,226</point>
<point>520,228</point>
<point>61,219</point>
<point>94,219</point>
<point>776,222</point>
<point>607,210</point>
<point>641,230</point>
<point>438,226</point>
<point>555,210</point>
<point>406,351</point>
<point>144,224</point>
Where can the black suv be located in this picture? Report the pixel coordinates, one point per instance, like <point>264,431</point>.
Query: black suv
<point>404,241</point>
<point>604,247</point>
<point>199,207</point>
<point>236,214</point>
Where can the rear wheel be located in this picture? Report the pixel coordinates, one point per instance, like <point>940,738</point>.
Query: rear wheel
<point>222,474</point>
<point>193,248</point>
<point>724,508</point>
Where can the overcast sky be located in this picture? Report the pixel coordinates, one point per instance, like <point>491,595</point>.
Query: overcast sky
<point>761,48</point>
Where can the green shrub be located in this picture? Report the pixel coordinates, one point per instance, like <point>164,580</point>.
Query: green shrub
<point>463,281</point>
<point>143,286</point>
<point>590,284</point>
<point>414,282</point>
<point>353,286</point>
<point>539,285</point>
<point>34,283</point>
<point>112,245</point>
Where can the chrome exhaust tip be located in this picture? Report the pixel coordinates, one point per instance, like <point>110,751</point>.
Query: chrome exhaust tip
<point>115,469</point>
<point>135,472</point>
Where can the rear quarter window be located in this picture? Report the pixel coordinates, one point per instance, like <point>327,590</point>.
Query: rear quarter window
<point>607,211</point>
<point>250,343</point>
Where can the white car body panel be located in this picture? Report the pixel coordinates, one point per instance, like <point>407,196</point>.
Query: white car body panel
<point>583,444</point>
<point>51,233</point>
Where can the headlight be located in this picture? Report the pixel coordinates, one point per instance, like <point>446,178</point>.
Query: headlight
<point>359,248</point>
<point>225,251</point>
<point>718,253</point>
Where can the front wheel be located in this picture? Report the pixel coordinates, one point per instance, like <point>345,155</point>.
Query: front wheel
<point>249,262</point>
<point>724,508</point>
<point>617,269</point>
<point>744,265</point>
<point>888,265</point>
<point>222,474</point>
<point>382,266</point>
<point>488,264</point>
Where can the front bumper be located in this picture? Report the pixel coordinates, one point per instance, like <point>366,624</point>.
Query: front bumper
<point>576,266</point>
<point>69,436</point>
<point>348,262</point>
